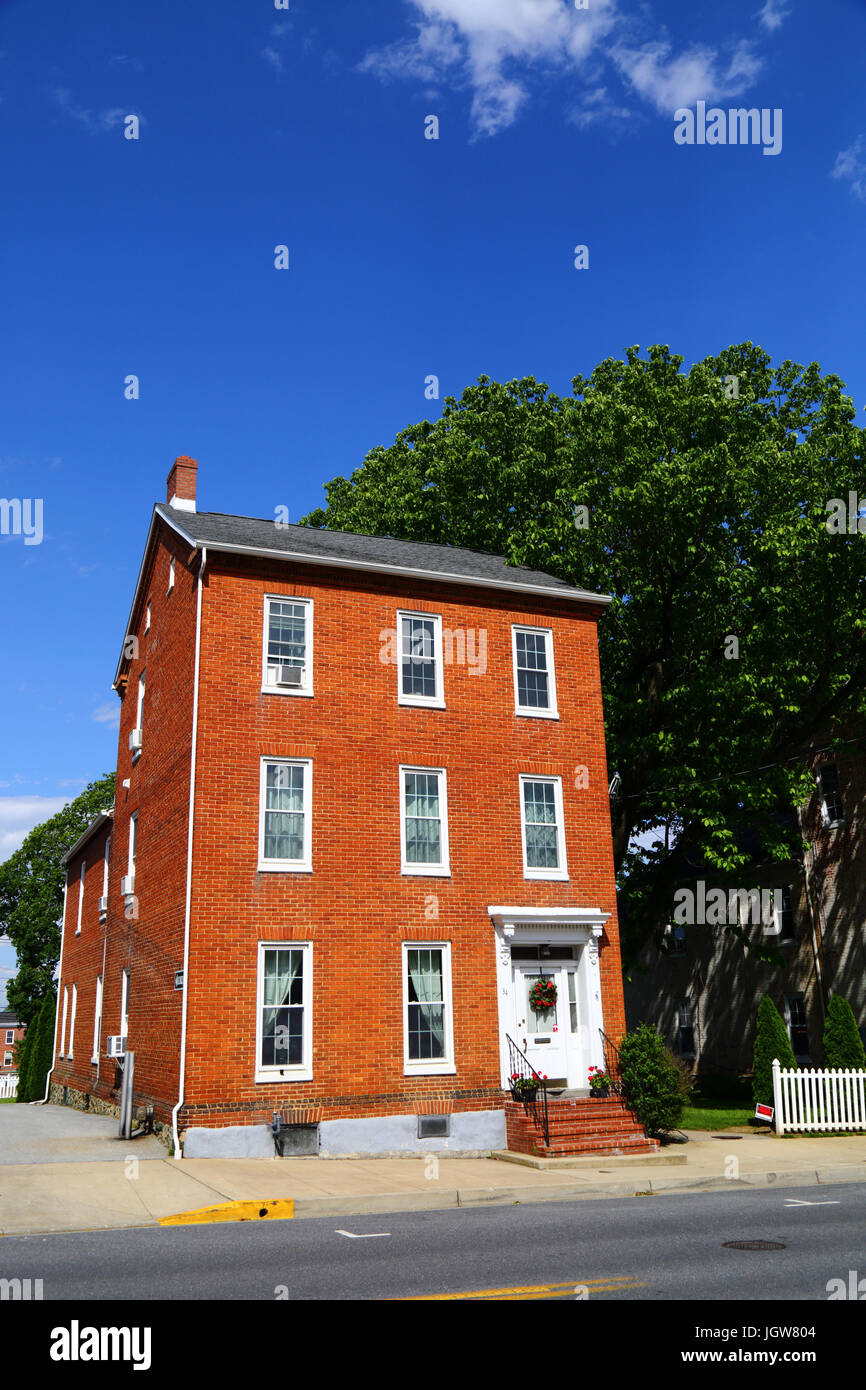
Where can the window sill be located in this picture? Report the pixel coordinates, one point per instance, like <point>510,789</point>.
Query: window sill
<point>287,1074</point>
<point>425,871</point>
<point>285,690</point>
<point>429,1069</point>
<point>271,868</point>
<point>551,876</point>
<point>409,703</point>
<point>537,713</point>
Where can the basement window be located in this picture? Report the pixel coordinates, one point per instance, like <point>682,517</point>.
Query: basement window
<point>434,1126</point>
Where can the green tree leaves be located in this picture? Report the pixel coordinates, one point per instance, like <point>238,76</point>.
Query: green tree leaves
<point>31,896</point>
<point>707,520</point>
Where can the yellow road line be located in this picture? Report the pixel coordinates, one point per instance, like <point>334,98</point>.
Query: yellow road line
<point>278,1209</point>
<point>610,1283</point>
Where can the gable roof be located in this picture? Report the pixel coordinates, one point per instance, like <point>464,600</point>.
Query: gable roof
<point>104,818</point>
<point>424,559</point>
<point>246,535</point>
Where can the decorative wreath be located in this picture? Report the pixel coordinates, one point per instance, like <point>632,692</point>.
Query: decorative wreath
<point>542,996</point>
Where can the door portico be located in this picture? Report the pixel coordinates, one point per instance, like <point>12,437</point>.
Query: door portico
<point>558,944</point>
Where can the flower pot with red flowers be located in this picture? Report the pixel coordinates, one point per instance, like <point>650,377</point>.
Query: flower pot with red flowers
<point>599,1084</point>
<point>524,1088</point>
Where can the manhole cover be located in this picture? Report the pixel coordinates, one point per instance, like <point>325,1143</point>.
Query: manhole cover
<point>753,1245</point>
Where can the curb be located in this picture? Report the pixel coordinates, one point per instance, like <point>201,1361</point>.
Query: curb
<point>597,1162</point>
<point>275,1209</point>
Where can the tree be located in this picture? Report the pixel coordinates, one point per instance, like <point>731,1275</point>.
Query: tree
<point>771,1041</point>
<point>843,1046</point>
<point>31,897</point>
<point>40,1053</point>
<point>654,1083</point>
<point>699,501</point>
<point>23,1051</point>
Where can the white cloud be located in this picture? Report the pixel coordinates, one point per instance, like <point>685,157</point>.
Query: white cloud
<point>669,83</point>
<point>851,165</point>
<point>107,714</point>
<point>19,814</point>
<point>495,48</point>
<point>772,15</point>
<point>271,56</point>
<point>95,121</point>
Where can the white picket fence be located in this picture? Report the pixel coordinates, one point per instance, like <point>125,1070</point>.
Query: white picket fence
<point>818,1100</point>
<point>8,1085</point>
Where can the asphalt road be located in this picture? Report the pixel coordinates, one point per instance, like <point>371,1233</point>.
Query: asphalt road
<point>640,1248</point>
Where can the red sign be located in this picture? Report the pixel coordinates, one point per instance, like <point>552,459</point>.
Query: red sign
<point>763,1112</point>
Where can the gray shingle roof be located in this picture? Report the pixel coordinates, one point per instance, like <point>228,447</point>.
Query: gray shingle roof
<point>219,531</point>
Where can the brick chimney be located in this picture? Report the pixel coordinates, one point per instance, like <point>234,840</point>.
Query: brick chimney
<point>181,484</point>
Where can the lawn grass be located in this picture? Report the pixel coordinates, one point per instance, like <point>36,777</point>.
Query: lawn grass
<point>714,1112</point>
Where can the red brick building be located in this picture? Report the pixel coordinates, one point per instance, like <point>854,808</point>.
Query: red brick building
<point>11,1033</point>
<point>361,807</point>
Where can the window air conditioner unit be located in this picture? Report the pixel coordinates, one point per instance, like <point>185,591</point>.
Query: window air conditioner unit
<point>288,675</point>
<point>103,904</point>
<point>127,885</point>
<point>135,741</point>
<point>116,1047</point>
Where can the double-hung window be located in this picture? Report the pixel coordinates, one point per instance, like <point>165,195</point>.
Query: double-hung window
<point>428,1034</point>
<point>133,840</point>
<point>72,1019</point>
<point>62,1051</point>
<point>10,1036</point>
<point>534,677</point>
<point>285,807</point>
<point>419,660</point>
<point>542,827</point>
<point>685,1029</point>
<point>284,1012</point>
<point>80,898</point>
<point>124,1003</point>
<point>7,1059</point>
<point>97,1019</point>
<point>135,737</point>
<point>287,660</point>
<point>424,821</point>
<point>798,1030</point>
<point>832,810</point>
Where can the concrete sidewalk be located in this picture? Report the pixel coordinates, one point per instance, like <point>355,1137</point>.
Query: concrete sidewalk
<point>134,1190</point>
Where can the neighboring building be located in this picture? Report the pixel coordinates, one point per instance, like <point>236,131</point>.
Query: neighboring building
<point>702,989</point>
<point>11,1033</point>
<point>361,808</point>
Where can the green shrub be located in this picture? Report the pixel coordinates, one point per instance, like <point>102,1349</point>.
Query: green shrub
<point>771,1040</point>
<point>43,1048</point>
<point>656,1084</point>
<point>23,1052</point>
<point>843,1046</point>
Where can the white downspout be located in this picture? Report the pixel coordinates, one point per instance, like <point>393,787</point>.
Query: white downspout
<point>174,1113</point>
<point>59,978</point>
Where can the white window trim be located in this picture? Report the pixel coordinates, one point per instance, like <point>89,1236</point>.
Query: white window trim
<point>139,712</point>
<point>7,1059</point>
<point>80,897</point>
<point>10,1036</point>
<point>124,1001</point>
<point>72,1020</point>
<point>299,1071</point>
<point>97,1020</point>
<point>307,688</point>
<point>287,866</point>
<point>562,872</point>
<point>436,701</point>
<point>442,870</point>
<point>531,710</point>
<point>103,914</point>
<point>62,1052</point>
<point>147,619</point>
<point>425,1066</point>
<point>133,847</point>
<point>170,575</point>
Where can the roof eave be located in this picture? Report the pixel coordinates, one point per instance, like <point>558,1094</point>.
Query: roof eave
<point>104,818</point>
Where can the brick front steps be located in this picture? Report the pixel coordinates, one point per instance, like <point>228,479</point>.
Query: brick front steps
<point>602,1127</point>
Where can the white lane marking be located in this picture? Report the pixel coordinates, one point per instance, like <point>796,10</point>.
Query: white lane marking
<point>369,1235</point>
<point>795,1202</point>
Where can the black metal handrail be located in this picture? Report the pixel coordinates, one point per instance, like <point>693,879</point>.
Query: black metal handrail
<point>520,1069</point>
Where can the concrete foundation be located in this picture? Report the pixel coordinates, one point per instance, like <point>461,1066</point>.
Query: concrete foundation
<point>474,1132</point>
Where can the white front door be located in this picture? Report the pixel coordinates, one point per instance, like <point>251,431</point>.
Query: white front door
<point>549,1038</point>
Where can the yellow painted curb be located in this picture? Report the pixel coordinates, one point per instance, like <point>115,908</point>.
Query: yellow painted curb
<point>278,1209</point>
<point>608,1284</point>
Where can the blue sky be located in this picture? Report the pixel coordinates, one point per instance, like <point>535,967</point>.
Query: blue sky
<point>263,126</point>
